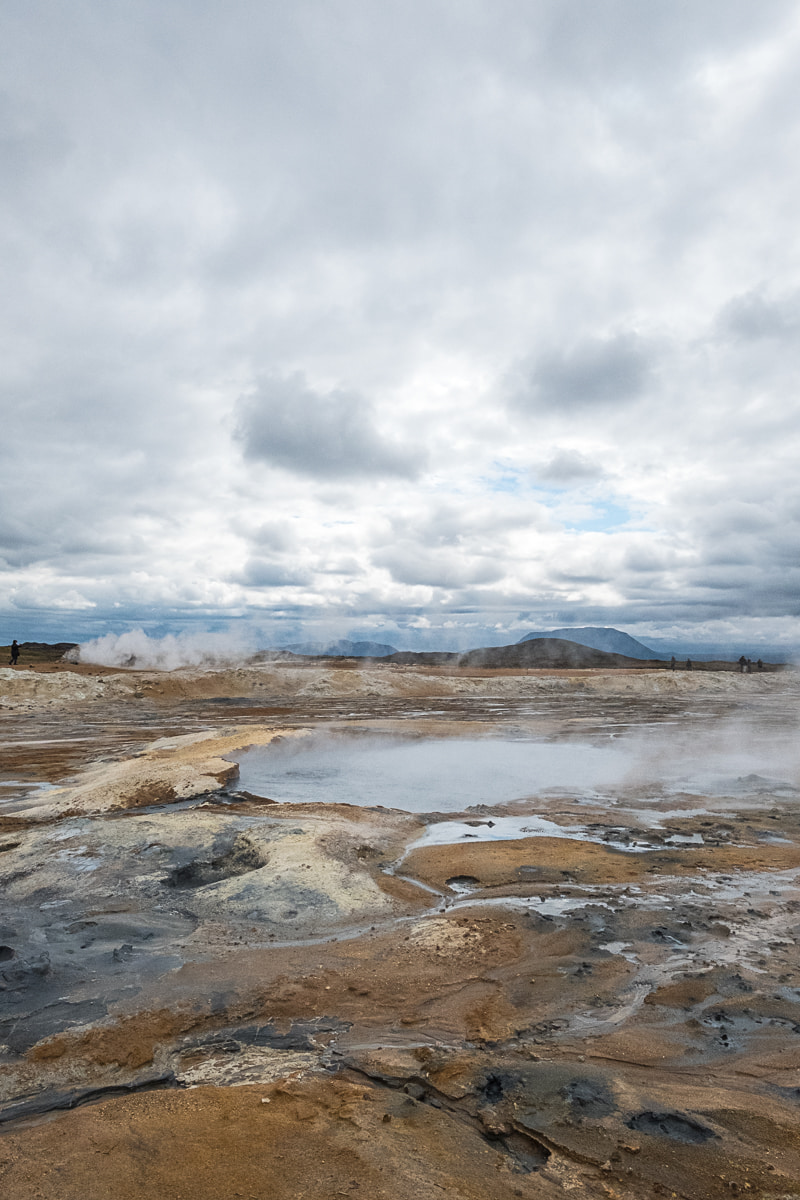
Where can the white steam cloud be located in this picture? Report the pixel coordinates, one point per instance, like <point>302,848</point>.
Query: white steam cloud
<point>137,649</point>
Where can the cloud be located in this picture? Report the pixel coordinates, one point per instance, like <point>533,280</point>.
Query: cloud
<point>417,566</point>
<point>272,535</point>
<point>385,314</point>
<point>752,317</point>
<point>567,468</point>
<point>66,599</point>
<point>596,372</point>
<point>325,435</point>
<point>262,573</point>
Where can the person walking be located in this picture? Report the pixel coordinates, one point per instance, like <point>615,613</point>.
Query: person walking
<point>14,653</point>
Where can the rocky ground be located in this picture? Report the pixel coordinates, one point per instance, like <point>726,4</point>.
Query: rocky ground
<point>204,993</point>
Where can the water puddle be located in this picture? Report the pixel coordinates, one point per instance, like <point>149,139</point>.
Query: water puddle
<point>17,795</point>
<point>505,829</point>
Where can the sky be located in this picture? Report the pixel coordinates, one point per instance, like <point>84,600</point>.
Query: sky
<point>430,321</point>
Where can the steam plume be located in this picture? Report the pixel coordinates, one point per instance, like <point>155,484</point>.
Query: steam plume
<point>138,649</point>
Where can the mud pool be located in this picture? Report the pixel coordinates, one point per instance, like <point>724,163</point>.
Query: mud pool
<point>452,774</point>
<point>417,775</point>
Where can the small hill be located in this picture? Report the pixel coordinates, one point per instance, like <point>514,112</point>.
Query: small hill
<point>613,641</point>
<point>342,649</point>
<point>539,652</point>
<point>548,652</point>
<point>37,652</point>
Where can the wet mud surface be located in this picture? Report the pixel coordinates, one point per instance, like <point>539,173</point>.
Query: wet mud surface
<point>591,992</point>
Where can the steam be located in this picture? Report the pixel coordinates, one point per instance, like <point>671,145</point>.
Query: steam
<point>138,649</point>
<point>709,754</point>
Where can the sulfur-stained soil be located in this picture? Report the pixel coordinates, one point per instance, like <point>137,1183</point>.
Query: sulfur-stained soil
<point>588,991</point>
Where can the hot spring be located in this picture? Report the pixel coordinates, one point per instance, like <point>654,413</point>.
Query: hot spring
<point>452,774</point>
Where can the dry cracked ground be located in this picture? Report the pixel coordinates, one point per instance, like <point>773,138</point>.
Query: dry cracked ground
<point>589,988</point>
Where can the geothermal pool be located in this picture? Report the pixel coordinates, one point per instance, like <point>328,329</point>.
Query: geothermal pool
<point>449,775</point>
<point>427,775</point>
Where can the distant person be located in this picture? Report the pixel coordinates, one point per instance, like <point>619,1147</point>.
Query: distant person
<point>742,664</point>
<point>688,664</point>
<point>14,653</point>
<point>672,663</point>
<point>760,665</point>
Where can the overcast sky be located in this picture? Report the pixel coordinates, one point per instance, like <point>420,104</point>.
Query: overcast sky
<point>433,320</point>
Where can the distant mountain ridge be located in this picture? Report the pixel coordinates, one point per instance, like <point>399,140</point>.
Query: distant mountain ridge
<point>531,652</point>
<point>612,641</point>
<point>584,647</point>
<point>537,652</point>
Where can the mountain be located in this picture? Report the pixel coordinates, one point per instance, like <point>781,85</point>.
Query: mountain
<point>613,641</point>
<point>536,652</point>
<point>342,649</point>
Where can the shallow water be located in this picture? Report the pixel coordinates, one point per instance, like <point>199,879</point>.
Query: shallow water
<point>453,774</point>
<point>425,775</point>
<point>503,829</point>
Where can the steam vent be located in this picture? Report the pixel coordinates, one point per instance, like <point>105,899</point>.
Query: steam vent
<point>412,927</point>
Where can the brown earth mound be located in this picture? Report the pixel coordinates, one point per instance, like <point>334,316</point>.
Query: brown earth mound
<point>38,652</point>
<point>543,652</point>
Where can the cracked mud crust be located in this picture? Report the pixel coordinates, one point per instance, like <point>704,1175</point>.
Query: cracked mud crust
<point>206,993</point>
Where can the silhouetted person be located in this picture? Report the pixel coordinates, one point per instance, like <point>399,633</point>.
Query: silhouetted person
<point>688,664</point>
<point>672,663</point>
<point>743,664</point>
<point>760,665</point>
<point>14,653</point>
